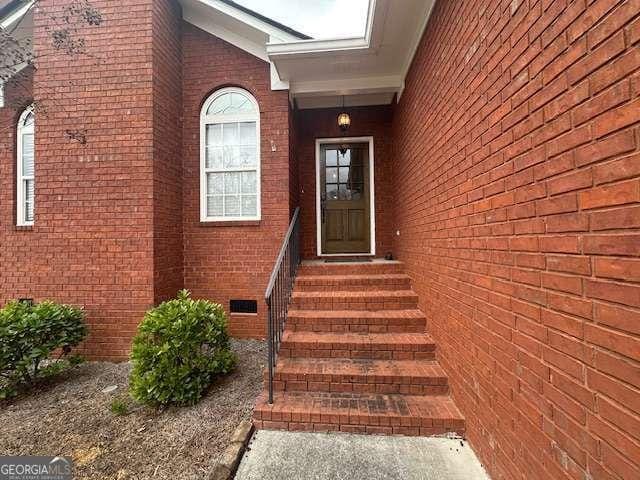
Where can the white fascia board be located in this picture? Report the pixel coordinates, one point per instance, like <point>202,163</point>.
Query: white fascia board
<point>15,16</point>
<point>204,23</point>
<point>303,47</point>
<point>348,86</point>
<point>276,83</point>
<point>415,43</point>
<point>250,20</point>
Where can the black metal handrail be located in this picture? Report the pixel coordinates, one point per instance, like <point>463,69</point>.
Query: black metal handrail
<point>279,291</point>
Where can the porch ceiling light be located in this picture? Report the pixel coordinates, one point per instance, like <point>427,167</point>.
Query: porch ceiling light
<point>344,120</point>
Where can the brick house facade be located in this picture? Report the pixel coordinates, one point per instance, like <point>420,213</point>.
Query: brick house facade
<point>507,182</point>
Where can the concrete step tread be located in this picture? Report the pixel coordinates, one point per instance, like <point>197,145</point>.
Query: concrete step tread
<point>345,369</point>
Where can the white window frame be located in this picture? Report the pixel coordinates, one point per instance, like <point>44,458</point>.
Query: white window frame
<point>218,119</point>
<point>21,220</point>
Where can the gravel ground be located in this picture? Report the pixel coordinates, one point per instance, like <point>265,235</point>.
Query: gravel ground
<point>71,417</point>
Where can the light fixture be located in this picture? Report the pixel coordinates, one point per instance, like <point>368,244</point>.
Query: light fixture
<point>344,120</point>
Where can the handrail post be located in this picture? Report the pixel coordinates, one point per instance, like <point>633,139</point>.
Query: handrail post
<point>270,347</point>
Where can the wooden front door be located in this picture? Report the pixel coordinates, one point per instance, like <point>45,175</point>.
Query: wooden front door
<point>345,210</point>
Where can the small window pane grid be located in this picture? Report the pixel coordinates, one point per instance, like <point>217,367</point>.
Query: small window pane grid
<point>344,175</point>
<point>231,159</point>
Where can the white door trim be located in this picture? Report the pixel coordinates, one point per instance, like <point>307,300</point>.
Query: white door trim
<point>372,196</point>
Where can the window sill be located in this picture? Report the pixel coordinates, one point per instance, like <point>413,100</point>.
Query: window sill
<point>24,228</point>
<point>231,223</point>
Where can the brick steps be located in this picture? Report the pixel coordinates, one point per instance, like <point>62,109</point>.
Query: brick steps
<point>330,283</point>
<point>381,346</point>
<point>358,300</point>
<point>355,357</point>
<point>357,321</point>
<point>351,268</point>
<point>360,413</point>
<point>361,376</point>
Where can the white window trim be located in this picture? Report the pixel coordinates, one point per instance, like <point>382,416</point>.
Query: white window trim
<point>213,119</point>
<point>20,204</point>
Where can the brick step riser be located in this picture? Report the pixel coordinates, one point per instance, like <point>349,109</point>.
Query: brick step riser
<point>384,353</point>
<point>362,303</point>
<point>357,423</point>
<point>359,269</point>
<point>352,287</point>
<point>362,429</point>
<point>367,386</point>
<point>349,326</point>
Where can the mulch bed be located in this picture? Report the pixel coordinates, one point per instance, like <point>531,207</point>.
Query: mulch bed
<point>71,417</point>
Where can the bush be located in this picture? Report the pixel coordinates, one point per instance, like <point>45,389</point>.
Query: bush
<point>180,347</point>
<point>119,407</point>
<point>29,334</point>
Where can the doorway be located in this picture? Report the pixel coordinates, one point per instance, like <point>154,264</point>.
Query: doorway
<point>345,196</point>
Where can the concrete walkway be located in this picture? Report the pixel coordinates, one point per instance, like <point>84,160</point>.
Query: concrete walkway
<point>276,455</point>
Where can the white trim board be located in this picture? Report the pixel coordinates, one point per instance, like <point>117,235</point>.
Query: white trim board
<point>372,196</point>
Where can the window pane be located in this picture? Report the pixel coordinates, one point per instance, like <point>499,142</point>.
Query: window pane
<point>331,158</point>
<point>214,135</point>
<point>344,174</point>
<point>27,155</point>
<point>28,121</point>
<point>249,206</point>
<point>214,157</point>
<point>232,183</point>
<point>215,184</point>
<point>214,206</point>
<point>249,182</point>
<point>247,156</point>
<point>232,206</point>
<point>332,191</point>
<point>232,157</point>
<point>28,200</point>
<point>248,133</point>
<point>231,104</point>
<point>230,134</point>
<point>332,174</point>
<point>346,158</point>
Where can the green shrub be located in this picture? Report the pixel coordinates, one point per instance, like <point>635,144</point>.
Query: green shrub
<point>180,347</point>
<point>119,407</point>
<point>29,334</point>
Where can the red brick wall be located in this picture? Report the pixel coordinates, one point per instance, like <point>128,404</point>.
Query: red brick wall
<point>92,240</point>
<point>517,187</point>
<point>233,260</point>
<point>322,123</point>
<point>167,147</point>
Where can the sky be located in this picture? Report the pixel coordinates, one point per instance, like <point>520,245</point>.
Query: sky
<point>319,19</point>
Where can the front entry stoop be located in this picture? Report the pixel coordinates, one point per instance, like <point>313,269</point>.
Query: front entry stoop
<point>355,357</point>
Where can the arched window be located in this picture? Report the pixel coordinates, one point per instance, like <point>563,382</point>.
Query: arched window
<point>25,168</point>
<point>230,157</point>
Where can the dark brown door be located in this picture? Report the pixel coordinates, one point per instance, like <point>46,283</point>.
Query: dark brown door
<point>344,198</point>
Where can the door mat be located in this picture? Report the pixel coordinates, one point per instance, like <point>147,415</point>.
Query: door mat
<point>346,259</point>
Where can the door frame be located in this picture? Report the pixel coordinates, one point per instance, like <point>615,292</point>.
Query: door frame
<point>372,203</point>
